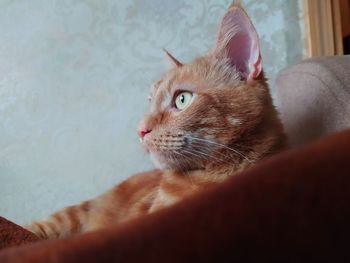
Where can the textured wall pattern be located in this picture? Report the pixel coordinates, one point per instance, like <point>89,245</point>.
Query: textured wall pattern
<point>73,81</point>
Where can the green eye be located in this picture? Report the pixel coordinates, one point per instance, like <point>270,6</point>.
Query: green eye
<point>183,100</point>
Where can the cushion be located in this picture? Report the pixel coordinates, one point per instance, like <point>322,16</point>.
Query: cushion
<point>313,98</point>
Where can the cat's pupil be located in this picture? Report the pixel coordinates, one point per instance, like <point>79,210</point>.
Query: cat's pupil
<point>182,98</point>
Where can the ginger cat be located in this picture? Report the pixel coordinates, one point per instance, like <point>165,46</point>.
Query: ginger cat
<point>208,120</point>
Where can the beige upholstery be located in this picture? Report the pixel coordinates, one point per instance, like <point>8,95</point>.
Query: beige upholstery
<point>313,98</point>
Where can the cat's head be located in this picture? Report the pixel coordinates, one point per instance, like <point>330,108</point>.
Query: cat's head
<point>199,109</point>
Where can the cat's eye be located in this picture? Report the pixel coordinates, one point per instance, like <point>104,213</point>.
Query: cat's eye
<point>183,99</point>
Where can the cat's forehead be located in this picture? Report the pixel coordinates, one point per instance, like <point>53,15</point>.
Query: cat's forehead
<point>169,87</point>
<point>159,95</point>
<point>178,78</point>
<point>161,86</point>
<point>154,87</point>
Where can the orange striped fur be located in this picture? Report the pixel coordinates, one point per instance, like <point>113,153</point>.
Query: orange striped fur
<point>228,125</point>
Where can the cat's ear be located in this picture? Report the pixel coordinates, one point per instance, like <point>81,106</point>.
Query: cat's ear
<point>237,41</point>
<point>173,61</point>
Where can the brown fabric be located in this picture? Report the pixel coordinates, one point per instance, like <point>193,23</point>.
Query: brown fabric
<point>313,98</point>
<point>13,235</point>
<point>293,207</point>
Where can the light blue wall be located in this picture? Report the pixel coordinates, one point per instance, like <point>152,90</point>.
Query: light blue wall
<point>73,82</point>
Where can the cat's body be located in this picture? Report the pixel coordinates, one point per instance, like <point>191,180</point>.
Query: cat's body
<point>208,119</point>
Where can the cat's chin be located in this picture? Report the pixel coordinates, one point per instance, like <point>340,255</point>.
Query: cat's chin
<point>162,162</point>
<point>158,160</point>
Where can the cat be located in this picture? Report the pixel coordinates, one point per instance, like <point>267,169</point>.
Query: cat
<point>208,120</point>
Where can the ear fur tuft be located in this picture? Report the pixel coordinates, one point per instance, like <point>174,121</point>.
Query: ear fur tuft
<point>172,59</point>
<point>235,3</point>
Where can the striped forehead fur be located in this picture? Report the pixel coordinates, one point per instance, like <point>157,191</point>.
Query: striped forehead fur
<point>210,69</point>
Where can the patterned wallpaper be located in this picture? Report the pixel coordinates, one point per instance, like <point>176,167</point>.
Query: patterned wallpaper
<point>74,75</point>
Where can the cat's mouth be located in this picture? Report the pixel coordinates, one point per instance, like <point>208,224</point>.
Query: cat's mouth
<point>165,150</point>
<point>175,152</point>
<point>163,156</point>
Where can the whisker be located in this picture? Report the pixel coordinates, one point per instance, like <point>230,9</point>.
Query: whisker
<point>204,146</point>
<point>222,145</point>
<point>191,153</point>
<point>217,151</point>
<point>211,156</point>
<point>182,155</point>
<point>228,158</point>
<point>184,170</point>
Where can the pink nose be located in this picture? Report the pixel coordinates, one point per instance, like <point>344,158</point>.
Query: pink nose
<point>142,132</point>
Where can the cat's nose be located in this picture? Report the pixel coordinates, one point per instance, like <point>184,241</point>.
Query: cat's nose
<point>142,132</point>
